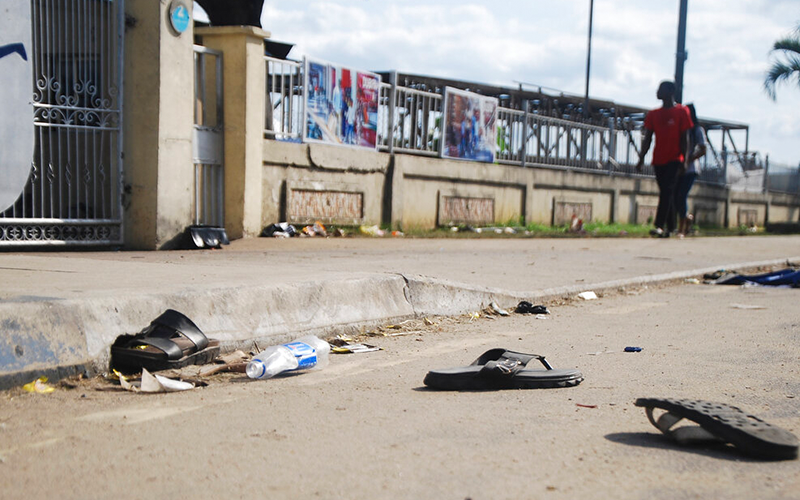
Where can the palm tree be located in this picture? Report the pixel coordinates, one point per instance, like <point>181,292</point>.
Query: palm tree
<point>788,66</point>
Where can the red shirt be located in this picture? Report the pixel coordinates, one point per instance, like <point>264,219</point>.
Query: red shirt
<point>668,124</point>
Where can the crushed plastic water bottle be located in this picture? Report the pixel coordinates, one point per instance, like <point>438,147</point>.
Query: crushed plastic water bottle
<point>303,354</point>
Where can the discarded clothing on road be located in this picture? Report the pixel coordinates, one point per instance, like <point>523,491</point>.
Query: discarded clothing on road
<point>783,278</point>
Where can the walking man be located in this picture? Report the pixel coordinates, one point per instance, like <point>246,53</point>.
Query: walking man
<point>671,123</point>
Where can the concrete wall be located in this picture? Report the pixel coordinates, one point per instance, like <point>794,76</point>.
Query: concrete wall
<point>416,192</point>
<point>303,183</point>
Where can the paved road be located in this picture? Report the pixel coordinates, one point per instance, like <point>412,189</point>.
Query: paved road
<point>365,428</point>
<point>521,265</point>
<point>62,310</point>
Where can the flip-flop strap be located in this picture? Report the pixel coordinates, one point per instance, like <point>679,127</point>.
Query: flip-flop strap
<point>690,434</point>
<point>170,348</point>
<point>505,363</point>
<point>172,322</point>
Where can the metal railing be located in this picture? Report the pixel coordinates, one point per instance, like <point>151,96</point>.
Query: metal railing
<point>416,118</point>
<point>207,143</point>
<point>73,195</point>
<point>284,107</point>
<point>410,120</point>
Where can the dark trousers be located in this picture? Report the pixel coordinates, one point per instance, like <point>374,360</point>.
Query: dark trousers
<point>667,178</point>
<point>685,183</point>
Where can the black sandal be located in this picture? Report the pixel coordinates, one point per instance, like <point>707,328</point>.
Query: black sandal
<point>170,341</point>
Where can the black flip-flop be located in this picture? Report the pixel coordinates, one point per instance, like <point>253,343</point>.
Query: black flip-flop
<point>721,423</point>
<point>502,369</point>
<point>170,341</point>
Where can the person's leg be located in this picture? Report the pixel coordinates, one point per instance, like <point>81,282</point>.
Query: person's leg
<point>685,182</point>
<point>666,177</point>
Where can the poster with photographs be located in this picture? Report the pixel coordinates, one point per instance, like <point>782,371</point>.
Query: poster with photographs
<point>470,126</point>
<point>341,105</point>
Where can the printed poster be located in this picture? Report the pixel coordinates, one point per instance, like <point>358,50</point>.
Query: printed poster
<point>341,105</point>
<point>470,126</point>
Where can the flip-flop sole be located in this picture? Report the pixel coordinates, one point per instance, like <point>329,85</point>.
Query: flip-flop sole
<point>746,432</point>
<point>131,359</point>
<point>467,378</point>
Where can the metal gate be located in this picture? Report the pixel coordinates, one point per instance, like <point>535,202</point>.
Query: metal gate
<point>207,142</point>
<point>73,194</point>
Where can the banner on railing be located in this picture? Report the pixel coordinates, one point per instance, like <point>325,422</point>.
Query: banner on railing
<point>341,105</point>
<point>470,126</point>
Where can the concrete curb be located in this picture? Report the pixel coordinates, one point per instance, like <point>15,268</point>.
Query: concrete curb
<point>59,338</point>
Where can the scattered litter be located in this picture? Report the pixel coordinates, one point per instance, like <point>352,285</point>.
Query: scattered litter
<point>600,352</point>
<point>633,349</point>
<point>692,281</point>
<point>153,383</point>
<point>749,307</point>
<point>206,237</point>
<point>354,348</point>
<point>576,225</point>
<point>317,229</point>
<point>715,275</point>
<point>398,234</point>
<point>305,353</point>
<point>585,406</point>
<point>474,315</point>
<point>525,307</point>
<point>784,278</point>
<point>339,233</point>
<point>371,230</point>
<point>39,386</point>
<point>428,321</point>
<point>497,309</point>
<point>587,295</point>
<point>542,316</point>
<point>395,334</point>
<point>279,230</point>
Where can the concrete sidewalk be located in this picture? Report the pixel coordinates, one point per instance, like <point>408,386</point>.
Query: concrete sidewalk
<point>60,311</point>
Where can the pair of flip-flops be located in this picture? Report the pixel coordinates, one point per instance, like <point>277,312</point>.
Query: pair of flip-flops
<point>170,341</point>
<point>503,369</point>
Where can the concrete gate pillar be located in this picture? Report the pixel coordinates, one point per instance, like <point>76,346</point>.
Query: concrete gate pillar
<point>244,77</point>
<point>157,128</point>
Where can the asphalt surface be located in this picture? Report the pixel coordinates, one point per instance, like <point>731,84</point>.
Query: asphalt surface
<point>61,310</point>
<point>365,426</point>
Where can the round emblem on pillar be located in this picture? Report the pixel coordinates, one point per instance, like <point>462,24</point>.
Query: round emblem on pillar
<point>179,17</point>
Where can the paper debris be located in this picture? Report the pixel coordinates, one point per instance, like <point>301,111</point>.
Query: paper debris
<point>39,386</point>
<point>498,310</point>
<point>587,295</point>
<point>747,307</point>
<point>354,348</point>
<point>153,383</point>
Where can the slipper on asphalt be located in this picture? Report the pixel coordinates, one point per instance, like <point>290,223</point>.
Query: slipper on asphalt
<point>525,307</point>
<point>719,422</point>
<point>170,341</point>
<point>502,369</point>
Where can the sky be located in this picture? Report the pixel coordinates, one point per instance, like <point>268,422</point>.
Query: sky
<point>545,43</point>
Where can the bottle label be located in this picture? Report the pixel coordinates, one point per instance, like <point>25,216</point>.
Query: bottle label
<point>305,354</point>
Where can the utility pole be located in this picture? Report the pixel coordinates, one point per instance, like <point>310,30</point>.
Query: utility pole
<point>681,55</point>
<point>588,61</point>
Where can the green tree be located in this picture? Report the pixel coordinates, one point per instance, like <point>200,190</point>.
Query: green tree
<point>787,65</point>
